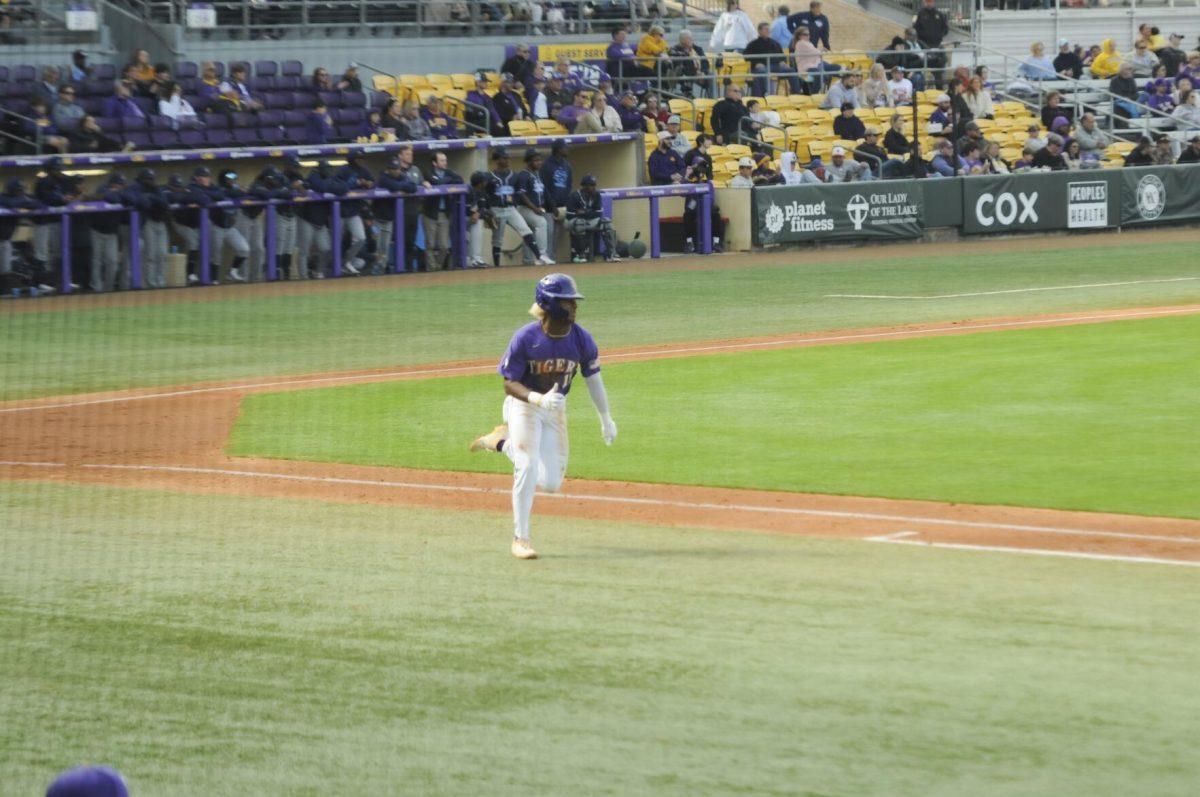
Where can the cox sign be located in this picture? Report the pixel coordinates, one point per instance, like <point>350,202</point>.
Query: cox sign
<point>1004,210</point>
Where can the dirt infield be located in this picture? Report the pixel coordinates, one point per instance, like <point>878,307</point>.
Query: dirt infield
<point>173,439</point>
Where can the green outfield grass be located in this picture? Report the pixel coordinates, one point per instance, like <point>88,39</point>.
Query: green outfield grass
<point>51,353</point>
<point>233,646</point>
<point>1095,417</point>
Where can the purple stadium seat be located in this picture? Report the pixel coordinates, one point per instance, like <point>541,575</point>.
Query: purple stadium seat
<point>244,120</point>
<point>332,99</point>
<point>246,137</point>
<point>380,99</point>
<point>147,105</point>
<point>291,69</point>
<point>93,105</point>
<point>139,140</point>
<point>164,139</point>
<point>193,138</point>
<point>353,99</point>
<point>300,99</point>
<point>161,123</point>
<point>216,121</point>
<point>104,72</point>
<point>25,73</point>
<point>348,132</point>
<point>96,88</point>
<point>245,64</point>
<point>3,74</point>
<point>265,69</point>
<point>218,138</point>
<point>260,84</point>
<point>295,135</point>
<point>295,118</point>
<point>18,105</point>
<point>199,102</point>
<point>186,69</point>
<point>270,118</point>
<point>220,67</point>
<point>188,84</point>
<point>271,135</point>
<point>109,125</point>
<point>352,116</point>
<point>132,124</point>
<point>288,83</point>
<point>16,90</point>
<point>278,101</point>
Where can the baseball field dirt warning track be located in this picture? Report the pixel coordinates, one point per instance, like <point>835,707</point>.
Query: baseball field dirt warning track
<point>173,439</point>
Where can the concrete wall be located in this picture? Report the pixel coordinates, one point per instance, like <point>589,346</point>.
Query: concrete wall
<point>1011,32</point>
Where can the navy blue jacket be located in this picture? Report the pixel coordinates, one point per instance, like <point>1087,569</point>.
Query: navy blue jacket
<point>52,192</point>
<point>440,204</point>
<point>557,176</point>
<point>351,174</point>
<point>8,224</point>
<point>818,27</point>
<point>385,209</point>
<point>151,202</point>
<point>192,194</point>
<point>318,213</point>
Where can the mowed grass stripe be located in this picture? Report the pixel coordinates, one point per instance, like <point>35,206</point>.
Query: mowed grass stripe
<point>1087,417</point>
<point>174,343</point>
<point>220,645</point>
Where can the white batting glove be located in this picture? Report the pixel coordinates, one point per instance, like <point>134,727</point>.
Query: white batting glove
<point>608,429</point>
<point>548,401</point>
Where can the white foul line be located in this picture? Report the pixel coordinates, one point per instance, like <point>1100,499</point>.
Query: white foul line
<point>716,347</point>
<point>616,499</point>
<point>1106,557</point>
<point>1012,290</point>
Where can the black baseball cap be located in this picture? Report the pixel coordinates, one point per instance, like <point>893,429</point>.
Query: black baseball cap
<point>588,179</point>
<point>201,171</point>
<point>499,152</point>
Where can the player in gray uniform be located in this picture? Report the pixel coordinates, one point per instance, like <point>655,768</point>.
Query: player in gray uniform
<point>531,196</point>
<point>503,200</point>
<point>538,369</point>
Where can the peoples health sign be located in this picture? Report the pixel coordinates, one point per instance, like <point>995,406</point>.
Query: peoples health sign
<point>787,214</point>
<point>1087,204</point>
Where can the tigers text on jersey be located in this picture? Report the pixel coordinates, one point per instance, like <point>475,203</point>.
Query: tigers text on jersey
<point>538,361</point>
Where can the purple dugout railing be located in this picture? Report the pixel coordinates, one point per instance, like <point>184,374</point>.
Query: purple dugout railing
<point>656,192</point>
<point>458,243</point>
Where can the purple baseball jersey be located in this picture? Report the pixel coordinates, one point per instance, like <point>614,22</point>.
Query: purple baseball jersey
<point>537,360</point>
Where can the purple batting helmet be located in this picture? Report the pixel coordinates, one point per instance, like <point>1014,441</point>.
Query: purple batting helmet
<point>88,782</point>
<point>550,289</point>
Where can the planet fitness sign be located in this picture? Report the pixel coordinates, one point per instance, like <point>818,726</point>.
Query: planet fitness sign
<point>788,214</point>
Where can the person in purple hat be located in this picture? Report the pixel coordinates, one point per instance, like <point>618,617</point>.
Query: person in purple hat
<point>88,782</point>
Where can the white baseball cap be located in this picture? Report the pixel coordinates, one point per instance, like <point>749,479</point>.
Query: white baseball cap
<point>745,163</point>
<point>838,151</point>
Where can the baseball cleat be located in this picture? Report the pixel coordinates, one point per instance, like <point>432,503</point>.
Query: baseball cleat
<point>523,549</point>
<point>491,440</point>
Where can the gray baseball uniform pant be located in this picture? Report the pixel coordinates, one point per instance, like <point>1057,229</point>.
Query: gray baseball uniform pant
<point>437,240</point>
<point>353,225</point>
<point>537,224</point>
<point>106,259</point>
<point>285,240</point>
<point>47,241</point>
<point>253,231</point>
<point>5,257</point>
<point>386,236</point>
<point>222,236</point>
<point>308,236</point>
<point>475,241</point>
<point>582,231</point>
<point>154,253</point>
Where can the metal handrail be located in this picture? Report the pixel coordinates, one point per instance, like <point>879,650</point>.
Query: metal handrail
<point>742,126</point>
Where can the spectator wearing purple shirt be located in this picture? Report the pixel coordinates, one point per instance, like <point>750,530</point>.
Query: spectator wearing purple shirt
<point>121,104</point>
<point>569,116</point>
<point>319,127</point>
<point>486,117</point>
<point>620,58</point>
<point>666,165</point>
<point>632,120</point>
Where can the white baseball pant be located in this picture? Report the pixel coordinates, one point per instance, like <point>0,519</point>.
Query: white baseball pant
<point>537,446</point>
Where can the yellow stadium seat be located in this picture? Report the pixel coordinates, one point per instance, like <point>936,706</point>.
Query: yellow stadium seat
<point>384,83</point>
<point>550,127</point>
<point>522,127</point>
<point>463,81</point>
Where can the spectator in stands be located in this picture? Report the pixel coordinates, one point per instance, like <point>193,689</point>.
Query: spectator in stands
<point>80,71</point>
<point>1073,156</point>
<point>318,126</point>
<point>651,48</point>
<point>994,162</point>
<point>914,62</point>
<point>1051,156</point>
<point>941,115</point>
<point>679,141</point>
<point>1160,98</point>
<point>1025,162</point>
<point>733,30</point>
<point>745,174</point>
<point>557,177</point>
<point>983,73</point>
<point>793,173</point>
<point>519,64</point>
<point>689,61</point>
<point>237,79</point>
<point>762,115</point>
<point>570,115</point>
<point>816,22</point>
<point>932,26</point>
<point>40,123</point>
<point>1108,62</point>
<point>972,159</point>
<point>1125,87</point>
<point>874,91</point>
<point>393,118</point>
<point>652,109</point>
<point>1171,56</point>
<point>1192,70</point>
<point>1054,109</point>
<point>441,124</point>
<point>484,116</point>
<point>1192,153</point>
<point>841,170</point>
<point>121,105</point>
<point>228,101</point>
<point>556,92</point>
<point>152,90</point>
<point>665,165</point>
<point>781,30</point>
<point>806,59</point>
<point>945,162</point>
<point>350,80</point>
<point>173,106</point>
<point>509,105</point>
<point>978,99</point>
<point>621,63</point>
<point>846,125</point>
<point>437,212</point>
<point>764,172</point>
<point>536,99</point>
<point>1187,113</point>
<point>67,113</point>
<point>1038,65</point>
<point>700,170</point>
<point>1141,154</point>
<point>1067,63</point>
<point>842,92</point>
<point>869,153</point>
<point>900,87</point>
<point>602,118</point>
<point>895,143</point>
<point>209,86</point>
<point>563,69</point>
<point>46,89</point>
<point>1092,140</point>
<point>766,58</point>
<point>972,134</point>
<point>606,88</point>
<point>371,127</point>
<point>142,70</point>
<point>1034,137</point>
<point>1163,153</point>
<point>415,126</point>
<point>727,116</point>
<point>631,117</point>
<point>321,80</point>
<point>1142,59</point>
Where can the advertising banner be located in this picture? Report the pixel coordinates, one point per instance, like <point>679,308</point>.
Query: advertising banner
<point>1157,194</point>
<point>788,214</point>
<point>1045,201</point>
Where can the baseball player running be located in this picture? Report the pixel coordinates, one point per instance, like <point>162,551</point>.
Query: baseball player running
<point>538,369</point>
